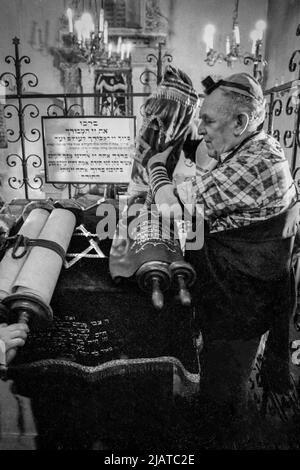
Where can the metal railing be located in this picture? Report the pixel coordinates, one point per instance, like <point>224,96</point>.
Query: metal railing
<point>24,133</point>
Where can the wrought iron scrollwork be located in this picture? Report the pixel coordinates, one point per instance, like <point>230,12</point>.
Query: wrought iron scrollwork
<point>291,137</point>
<point>36,179</point>
<point>25,58</point>
<point>37,163</point>
<point>34,113</point>
<point>145,77</point>
<point>287,135</point>
<point>277,110</point>
<point>11,132</point>
<point>8,115</point>
<point>296,178</point>
<point>293,63</point>
<point>12,161</point>
<point>289,108</point>
<point>159,61</point>
<point>9,159</point>
<point>35,132</point>
<point>76,113</point>
<point>20,111</point>
<point>247,60</point>
<point>14,179</point>
<point>51,110</point>
<point>9,58</point>
<point>31,82</point>
<point>4,78</point>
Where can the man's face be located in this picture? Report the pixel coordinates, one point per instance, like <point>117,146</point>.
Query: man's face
<point>217,124</point>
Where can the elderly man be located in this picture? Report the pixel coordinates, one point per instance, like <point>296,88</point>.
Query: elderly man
<point>244,277</point>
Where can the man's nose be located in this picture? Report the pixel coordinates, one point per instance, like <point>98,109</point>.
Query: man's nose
<point>201,128</point>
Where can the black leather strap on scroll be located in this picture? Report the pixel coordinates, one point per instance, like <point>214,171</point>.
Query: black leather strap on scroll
<point>21,241</point>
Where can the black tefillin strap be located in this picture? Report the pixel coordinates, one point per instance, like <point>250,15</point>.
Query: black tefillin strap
<point>18,241</point>
<point>210,85</point>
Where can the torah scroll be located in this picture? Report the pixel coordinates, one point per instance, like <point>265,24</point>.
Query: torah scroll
<point>41,270</point>
<point>9,266</point>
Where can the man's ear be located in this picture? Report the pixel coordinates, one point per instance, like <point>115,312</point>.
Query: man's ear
<point>242,121</point>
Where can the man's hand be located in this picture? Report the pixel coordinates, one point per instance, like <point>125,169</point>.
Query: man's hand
<point>13,336</point>
<point>167,203</point>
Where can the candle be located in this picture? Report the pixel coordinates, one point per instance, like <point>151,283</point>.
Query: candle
<point>70,19</point>
<point>78,29</point>
<point>208,36</point>
<point>101,20</point>
<point>128,49</point>
<point>119,44</point>
<point>109,49</point>
<point>254,37</point>
<point>122,51</point>
<point>105,34</point>
<point>236,32</point>
<point>227,45</point>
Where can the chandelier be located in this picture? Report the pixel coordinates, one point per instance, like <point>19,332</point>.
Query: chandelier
<point>233,52</point>
<point>88,40</point>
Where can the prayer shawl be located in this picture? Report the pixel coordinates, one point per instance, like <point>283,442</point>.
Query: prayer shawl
<point>167,115</point>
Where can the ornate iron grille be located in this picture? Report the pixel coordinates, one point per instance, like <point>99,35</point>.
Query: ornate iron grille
<point>23,109</point>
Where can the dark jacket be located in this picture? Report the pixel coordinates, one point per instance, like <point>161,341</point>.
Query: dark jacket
<point>245,283</point>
